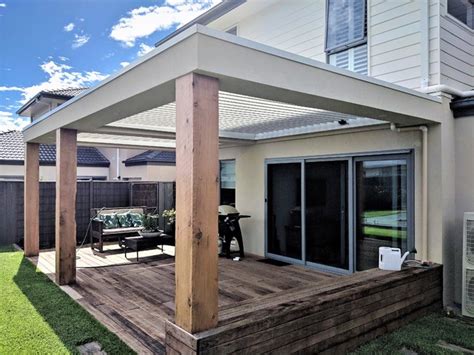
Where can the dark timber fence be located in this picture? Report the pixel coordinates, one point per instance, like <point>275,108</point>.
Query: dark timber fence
<point>90,194</point>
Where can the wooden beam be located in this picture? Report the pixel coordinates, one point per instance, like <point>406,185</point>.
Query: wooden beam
<point>31,200</point>
<point>66,177</point>
<point>197,144</point>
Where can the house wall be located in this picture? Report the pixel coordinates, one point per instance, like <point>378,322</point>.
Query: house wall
<point>162,173</point>
<point>457,52</point>
<point>395,38</point>
<point>124,154</point>
<point>44,106</point>
<point>250,170</point>
<point>48,173</point>
<point>394,35</point>
<point>464,177</point>
<point>448,196</point>
<point>397,43</point>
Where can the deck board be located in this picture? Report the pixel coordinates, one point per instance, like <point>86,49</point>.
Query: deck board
<point>260,305</point>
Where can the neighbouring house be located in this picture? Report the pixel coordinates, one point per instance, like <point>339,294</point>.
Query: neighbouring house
<point>91,163</point>
<point>347,125</point>
<point>152,165</point>
<point>47,100</point>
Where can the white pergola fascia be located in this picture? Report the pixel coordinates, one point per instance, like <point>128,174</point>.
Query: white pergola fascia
<point>242,67</point>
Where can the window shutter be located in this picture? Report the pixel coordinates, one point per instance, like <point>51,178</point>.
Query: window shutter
<point>340,60</point>
<point>359,63</point>
<point>345,23</point>
<point>354,59</point>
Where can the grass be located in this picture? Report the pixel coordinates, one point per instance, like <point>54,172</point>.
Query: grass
<point>384,232</point>
<point>36,316</point>
<point>423,335</point>
<point>372,214</point>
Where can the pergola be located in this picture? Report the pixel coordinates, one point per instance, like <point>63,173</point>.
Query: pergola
<point>199,90</point>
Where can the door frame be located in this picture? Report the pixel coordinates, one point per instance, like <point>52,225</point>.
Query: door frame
<point>409,157</point>
<point>285,259</point>
<point>349,212</point>
<point>351,158</point>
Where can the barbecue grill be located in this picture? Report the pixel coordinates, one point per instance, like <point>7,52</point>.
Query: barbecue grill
<point>229,229</point>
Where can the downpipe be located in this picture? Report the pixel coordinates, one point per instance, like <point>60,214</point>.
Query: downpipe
<point>424,184</point>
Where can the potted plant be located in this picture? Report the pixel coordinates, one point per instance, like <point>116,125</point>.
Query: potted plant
<point>170,219</point>
<point>150,226</point>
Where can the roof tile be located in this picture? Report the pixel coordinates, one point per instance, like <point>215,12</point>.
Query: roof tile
<point>12,148</point>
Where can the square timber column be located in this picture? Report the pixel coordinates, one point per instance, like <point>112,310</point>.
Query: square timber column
<point>31,200</point>
<point>66,185</point>
<point>197,159</point>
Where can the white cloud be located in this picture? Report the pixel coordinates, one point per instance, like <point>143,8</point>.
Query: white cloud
<point>69,27</point>
<point>64,59</point>
<point>3,4</point>
<point>80,40</point>
<point>124,64</point>
<point>60,76</point>
<point>10,88</point>
<point>143,21</point>
<point>144,49</point>
<point>8,122</point>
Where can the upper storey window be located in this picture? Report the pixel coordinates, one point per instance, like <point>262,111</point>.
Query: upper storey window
<point>463,10</point>
<point>346,34</point>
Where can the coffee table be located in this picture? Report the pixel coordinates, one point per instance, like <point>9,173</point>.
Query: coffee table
<point>139,243</point>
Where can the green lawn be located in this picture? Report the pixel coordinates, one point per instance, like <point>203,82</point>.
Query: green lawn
<point>384,232</point>
<point>423,335</point>
<point>372,214</point>
<point>36,316</point>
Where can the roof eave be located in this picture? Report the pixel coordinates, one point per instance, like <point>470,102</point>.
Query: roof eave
<point>38,96</point>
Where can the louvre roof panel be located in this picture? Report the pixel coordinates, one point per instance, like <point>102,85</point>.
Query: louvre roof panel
<point>258,118</point>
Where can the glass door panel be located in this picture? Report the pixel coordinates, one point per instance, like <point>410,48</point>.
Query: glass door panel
<point>284,210</point>
<point>381,208</point>
<point>326,201</point>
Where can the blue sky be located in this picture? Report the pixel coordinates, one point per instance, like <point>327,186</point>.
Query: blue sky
<point>49,44</point>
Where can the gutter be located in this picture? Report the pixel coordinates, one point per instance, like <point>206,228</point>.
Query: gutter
<point>424,184</point>
<point>448,90</point>
<point>462,103</point>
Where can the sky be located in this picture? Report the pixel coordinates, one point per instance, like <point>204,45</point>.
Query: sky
<point>51,44</point>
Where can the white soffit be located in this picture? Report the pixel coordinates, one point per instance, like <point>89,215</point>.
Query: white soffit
<point>109,140</point>
<point>250,118</point>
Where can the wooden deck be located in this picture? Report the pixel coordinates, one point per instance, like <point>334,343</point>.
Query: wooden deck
<point>262,307</point>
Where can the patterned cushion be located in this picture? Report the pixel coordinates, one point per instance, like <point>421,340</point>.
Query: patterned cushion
<point>136,219</point>
<point>110,220</point>
<point>124,220</point>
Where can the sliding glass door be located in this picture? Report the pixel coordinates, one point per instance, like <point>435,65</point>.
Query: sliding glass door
<point>326,219</point>
<point>335,213</point>
<point>284,238</point>
<point>383,207</point>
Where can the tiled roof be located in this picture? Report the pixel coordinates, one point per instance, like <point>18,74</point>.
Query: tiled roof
<point>12,151</point>
<point>67,92</point>
<point>152,156</point>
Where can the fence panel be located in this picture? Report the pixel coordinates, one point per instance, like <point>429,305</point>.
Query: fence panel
<point>90,194</point>
<point>9,211</point>
<point>47,214</point>
<point>111,194</point>
<point>144,194</point>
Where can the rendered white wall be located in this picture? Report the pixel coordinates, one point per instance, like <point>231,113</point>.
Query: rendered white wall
<point>48,173</point>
